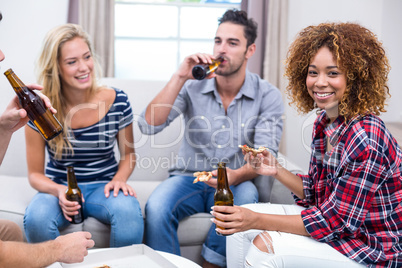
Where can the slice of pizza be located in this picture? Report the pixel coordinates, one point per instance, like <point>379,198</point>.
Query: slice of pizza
<point>202,176</point>
<point>252,150</point>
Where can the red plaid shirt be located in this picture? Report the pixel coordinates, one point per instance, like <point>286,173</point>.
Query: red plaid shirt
<point>354,192</point>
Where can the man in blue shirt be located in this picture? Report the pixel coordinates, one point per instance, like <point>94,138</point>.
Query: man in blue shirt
<point>231,107</point>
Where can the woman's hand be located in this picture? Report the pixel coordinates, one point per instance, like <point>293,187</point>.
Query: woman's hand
<point>233,218</point>
<point>116,186</point>
<point>69,208</point>
<point>263,163</point>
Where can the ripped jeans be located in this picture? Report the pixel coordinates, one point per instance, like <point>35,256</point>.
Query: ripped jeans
<point>288,250</point>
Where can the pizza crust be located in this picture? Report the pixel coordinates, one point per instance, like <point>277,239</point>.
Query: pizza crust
<point>202,176</point>
<point>252,150</point>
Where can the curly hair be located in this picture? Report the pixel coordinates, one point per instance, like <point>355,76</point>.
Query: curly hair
<point>240,17</point>
<point>358,53</point>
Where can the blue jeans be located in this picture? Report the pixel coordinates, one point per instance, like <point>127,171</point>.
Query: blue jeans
<point>178,197</point>
<point>44,217</point>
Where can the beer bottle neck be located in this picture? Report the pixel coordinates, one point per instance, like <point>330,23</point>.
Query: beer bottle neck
<point>71,179</point>
<point>222,178</point>
<point>18,86</point>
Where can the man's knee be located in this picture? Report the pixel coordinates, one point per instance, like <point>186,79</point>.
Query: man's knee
<point>10,231</point>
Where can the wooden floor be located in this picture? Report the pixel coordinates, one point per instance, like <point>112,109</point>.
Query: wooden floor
<point>396,130</point>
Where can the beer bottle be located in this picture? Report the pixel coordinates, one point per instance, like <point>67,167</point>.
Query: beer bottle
<point>41,116</point>
<point>201,71</point>
<point>223,195</point>
<point>73,193</point>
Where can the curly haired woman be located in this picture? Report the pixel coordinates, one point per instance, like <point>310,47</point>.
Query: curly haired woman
<point>348,210</point>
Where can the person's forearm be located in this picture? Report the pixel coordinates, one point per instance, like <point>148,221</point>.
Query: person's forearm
<point>158,110</point>
<point>243,174</point>
<point>126,167</point>
<point>17,254</point>
<point>4,141</point>
<point>283,223</point>
<point>43,184</point>
<point>293,182</point>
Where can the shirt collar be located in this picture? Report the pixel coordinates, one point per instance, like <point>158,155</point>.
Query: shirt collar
<point>333,130</point>
<point>247,88</point>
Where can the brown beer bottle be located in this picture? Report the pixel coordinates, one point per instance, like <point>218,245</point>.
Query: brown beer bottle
<point>73,193</point>
<point>201,71</point>
<point>223,195</point>
<point>42,117</point>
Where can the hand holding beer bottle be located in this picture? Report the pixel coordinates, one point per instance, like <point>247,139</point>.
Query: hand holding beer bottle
<point>73,193</point>
<point>200,71</point>
<point>40,116</point>
<point>223,195</point>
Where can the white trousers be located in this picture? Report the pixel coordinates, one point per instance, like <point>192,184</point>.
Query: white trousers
<point>290,250</point>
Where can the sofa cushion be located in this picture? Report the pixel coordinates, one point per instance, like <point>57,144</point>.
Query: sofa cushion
<point>15,194</point>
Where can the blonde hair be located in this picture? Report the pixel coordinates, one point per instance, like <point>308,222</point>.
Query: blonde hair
<point>48,71</point>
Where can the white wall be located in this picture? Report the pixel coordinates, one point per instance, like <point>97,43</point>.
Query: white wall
<point>391,35</point>
<point>380,16</point>
<point>25,23</point>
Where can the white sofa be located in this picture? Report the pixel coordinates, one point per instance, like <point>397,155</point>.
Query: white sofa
<point>155,155</point>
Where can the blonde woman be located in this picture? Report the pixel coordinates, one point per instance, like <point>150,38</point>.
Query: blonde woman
<point>95,118</point>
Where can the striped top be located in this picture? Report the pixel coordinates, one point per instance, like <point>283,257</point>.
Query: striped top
<point>94,158</point>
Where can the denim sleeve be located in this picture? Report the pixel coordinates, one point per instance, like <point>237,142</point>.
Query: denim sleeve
<point>268,131</point>
<point>178,108</point>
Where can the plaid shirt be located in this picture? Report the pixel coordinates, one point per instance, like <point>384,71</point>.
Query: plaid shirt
<point>354,192</point>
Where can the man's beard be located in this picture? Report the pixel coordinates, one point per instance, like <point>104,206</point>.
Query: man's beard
<point>231,71</point>
<point>228,72</point>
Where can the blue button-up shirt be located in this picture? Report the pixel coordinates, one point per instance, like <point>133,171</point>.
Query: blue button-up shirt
<point>211,135</point>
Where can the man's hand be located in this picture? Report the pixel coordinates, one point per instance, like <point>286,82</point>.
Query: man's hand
<point>73,247</point>
<point>213,182</point>
<point>186,67</point>
<point>14,117</point>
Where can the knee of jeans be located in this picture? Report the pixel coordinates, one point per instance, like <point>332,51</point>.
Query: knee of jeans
<point>157,208</point>
<point>263,241</point>
<point>36,217</point>
<point>36,221</point>
<point>246,193</point>
<point>124,205</point>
